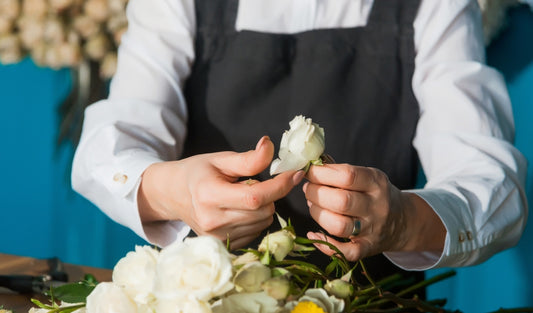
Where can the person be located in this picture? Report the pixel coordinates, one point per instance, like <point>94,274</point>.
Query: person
<point>204,88</point>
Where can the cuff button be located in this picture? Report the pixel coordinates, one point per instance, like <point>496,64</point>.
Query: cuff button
<point>120,178</point>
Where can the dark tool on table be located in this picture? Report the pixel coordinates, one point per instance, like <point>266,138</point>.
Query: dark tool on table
<point>55,277</point>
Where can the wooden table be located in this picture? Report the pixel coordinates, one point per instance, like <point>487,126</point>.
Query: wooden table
<point>11,264</point>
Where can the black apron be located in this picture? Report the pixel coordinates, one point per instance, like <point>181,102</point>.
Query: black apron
<point>353,82</point>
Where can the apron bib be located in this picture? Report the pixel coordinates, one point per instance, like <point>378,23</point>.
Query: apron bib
<point>353,82</point>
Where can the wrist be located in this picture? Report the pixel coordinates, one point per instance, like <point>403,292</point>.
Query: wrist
<point>424,230</point>
<point>150,194</point>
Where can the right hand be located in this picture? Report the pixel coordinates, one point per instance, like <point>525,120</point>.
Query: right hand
<point>204,191</point>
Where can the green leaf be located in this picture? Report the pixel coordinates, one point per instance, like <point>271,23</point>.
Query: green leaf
<point>72,293</point>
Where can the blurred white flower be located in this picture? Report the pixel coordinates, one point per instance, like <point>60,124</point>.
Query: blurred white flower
<point>98,10</point>
<point>300,145</point>
<point>54,31</point>
<point>199,266</point>
<point>10,51</point>
<point>85,26</point>
<point>9,9</point>
<point>35,8</point>
<point>31,31</point>
<point>109,65</point>
<point>59,5</point>
<point>6,25</point>
<point>97,46</point>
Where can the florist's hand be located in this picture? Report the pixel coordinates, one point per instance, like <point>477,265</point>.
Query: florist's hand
<point>204,191</point>
<point>390,220</point>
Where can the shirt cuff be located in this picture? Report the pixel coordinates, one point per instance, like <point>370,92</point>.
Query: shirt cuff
<point>459,242</point>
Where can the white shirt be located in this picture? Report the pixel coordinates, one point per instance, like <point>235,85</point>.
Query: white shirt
<point>475,177</point>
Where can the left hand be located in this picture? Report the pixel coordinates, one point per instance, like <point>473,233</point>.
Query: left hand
<point>391,220</point>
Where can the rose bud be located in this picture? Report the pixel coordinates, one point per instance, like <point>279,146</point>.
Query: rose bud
<point>277,287</point>
<point>302,144</point>
<point>339,288</point>
<point>250,277</point>
<point>278,244</point>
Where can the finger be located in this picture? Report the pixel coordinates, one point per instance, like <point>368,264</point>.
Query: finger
<point>218,221</point>
<point>341,201</point>
<point>252,196</point>
<point>345,176</point>
<point>247,163</point>
<point>242,236</point>
<point>335,224</point>
<point>354,250</point>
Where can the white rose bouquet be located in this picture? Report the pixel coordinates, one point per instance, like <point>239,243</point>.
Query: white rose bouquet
<point>200,275</point>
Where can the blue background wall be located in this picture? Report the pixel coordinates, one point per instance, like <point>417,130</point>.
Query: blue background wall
<point>41,216</point>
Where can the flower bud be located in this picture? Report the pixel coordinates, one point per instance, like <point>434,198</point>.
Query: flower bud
<point>278,244</point>
<point>277,287</point>
<point>251,276</point>
<point>300,145</point>
<point>339,288</point>
<point>245,258</point>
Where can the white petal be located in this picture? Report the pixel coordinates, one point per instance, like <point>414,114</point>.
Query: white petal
<point>291,162</point>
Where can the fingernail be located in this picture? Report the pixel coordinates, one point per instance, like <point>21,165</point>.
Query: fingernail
<point>297,178</point>
<point>312,236</point>
<point>261,142</point>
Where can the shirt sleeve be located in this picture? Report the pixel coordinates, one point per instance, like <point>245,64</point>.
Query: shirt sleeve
<point>143,121</point>
<point>475,176</point>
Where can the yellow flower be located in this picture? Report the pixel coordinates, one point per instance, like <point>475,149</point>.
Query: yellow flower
<point>307,307</point>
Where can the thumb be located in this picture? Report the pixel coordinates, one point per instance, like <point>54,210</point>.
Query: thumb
<point>247,163</point>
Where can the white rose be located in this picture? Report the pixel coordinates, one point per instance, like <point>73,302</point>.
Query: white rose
<point>136,273</point>
<point>258,302</point>
<point>300,145</point>
<point>278,244</point>
<point>320,297</point>
<point>109,297</point>
<point>251,276</point>
<point>199,266</point>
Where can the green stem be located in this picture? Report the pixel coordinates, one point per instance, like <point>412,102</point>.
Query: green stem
<point>367,275</point>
